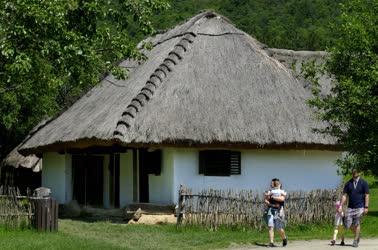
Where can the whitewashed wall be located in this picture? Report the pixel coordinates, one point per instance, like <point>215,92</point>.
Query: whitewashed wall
<point>161,189</point>
<point>57,175</point>
<point>126,178</point>
<point>297,169</point>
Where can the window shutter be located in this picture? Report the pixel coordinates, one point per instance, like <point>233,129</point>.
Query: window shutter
<point>219,163</point>
<point>235,163</point>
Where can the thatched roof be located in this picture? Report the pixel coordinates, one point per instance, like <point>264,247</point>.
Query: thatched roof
<point>16,160</point>
<point>205,83</point>
<point>294,60</point>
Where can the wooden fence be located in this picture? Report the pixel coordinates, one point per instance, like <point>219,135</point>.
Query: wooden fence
<point>15,211</point>
<point>23,212</point>
<point>212,208</point>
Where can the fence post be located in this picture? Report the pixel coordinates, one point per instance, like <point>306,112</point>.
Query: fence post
<point>179,212</point>
<point>45,214</point>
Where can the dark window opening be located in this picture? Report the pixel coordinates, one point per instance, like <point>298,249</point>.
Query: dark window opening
<point>153,162</point>
<point>219,163</point>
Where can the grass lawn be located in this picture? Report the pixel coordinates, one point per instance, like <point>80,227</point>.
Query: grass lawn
<point>103,235</point>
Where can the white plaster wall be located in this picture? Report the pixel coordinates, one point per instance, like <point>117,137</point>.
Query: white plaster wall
<point>161,189</point>
<point>297,169</point>
<point>57,176</point>
<point>126,178</point>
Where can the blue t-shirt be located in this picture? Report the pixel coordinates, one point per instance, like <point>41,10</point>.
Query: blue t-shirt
<point>356,193</point>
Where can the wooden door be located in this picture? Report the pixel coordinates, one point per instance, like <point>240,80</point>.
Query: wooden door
<point>88,176</point>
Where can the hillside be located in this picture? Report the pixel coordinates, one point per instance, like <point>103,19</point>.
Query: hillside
<point>290,24</point>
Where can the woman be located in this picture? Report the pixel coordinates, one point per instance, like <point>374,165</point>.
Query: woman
<point>275,199</point>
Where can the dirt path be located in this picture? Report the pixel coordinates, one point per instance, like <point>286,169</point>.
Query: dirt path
<point>365,244</point>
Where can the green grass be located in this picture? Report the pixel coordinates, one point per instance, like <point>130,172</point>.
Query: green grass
<point>104,235</point>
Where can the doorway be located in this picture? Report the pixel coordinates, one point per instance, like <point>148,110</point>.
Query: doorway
<point>150,162</point>
<point>143,176</point>
<point>88,176</point>
<point>114,178</point>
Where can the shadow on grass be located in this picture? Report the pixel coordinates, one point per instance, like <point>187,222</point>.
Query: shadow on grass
<point>94,219</point>
<point>373,213</point>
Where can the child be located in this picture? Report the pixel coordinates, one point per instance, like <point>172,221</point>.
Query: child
<point>339,216</point>
<point>275,217</point>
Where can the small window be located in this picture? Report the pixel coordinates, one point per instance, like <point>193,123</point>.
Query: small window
<point>153,162</point>
<point>219,163</point>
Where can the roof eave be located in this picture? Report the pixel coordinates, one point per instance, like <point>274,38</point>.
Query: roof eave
<point>86,143</point>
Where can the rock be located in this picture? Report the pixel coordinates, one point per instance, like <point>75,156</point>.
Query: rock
<point>137,214</point>
<point>132,222</point>
<point>148,219</point>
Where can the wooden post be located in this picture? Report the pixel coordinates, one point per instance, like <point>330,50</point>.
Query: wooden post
<point>46,214</point>
<point>179,211</point>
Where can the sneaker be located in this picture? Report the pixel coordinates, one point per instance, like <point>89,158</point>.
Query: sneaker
<point>355,243</point>
<point>333,242</point>
<point>271,245</point>
<point>284,242</point>
<point>342,243</point>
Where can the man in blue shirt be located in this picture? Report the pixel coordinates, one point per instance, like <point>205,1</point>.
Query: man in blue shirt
<point>357,191</point>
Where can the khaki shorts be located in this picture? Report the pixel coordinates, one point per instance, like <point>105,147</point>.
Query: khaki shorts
<point>353,217</point>
<point>276,218</point>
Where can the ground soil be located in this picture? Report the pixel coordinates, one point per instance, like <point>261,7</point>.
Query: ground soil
<point>365,244</point>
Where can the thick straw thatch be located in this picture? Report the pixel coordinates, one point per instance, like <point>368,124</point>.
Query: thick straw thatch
<point>296,59</point>
<point>16,160</point>
<point>205,83</point>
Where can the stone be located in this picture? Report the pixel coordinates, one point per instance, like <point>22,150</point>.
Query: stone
<point>137,214</point>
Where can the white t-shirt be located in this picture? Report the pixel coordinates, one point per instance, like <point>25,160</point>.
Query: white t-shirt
<point>276,192</point>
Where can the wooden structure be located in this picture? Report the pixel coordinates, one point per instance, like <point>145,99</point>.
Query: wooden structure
<point>23,211</point>
<point>206,86</point>
<point>45,214</point>
<point>213,208</point>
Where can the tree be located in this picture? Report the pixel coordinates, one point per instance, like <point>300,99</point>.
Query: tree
<point>351,109</point>
<point>52,50</point>
<point>289,24</point>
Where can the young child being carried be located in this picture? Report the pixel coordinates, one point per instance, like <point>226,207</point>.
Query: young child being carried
<point>339,217</point>
<point>274,193</point>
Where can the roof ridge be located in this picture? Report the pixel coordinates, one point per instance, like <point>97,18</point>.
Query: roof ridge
<point>154,81</point>
<point>193,20</point>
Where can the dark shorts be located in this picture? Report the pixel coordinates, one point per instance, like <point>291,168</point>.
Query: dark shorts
<point>353,217</point>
